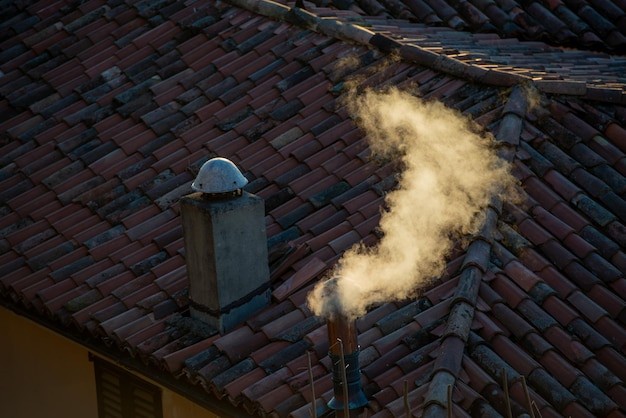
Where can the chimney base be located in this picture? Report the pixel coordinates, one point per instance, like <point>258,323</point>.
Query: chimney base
<point>359,403</point>
<point>356,396</point>
<point>225,321</point>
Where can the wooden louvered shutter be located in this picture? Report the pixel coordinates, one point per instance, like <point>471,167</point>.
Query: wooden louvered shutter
<point>122,395</point>
<point>109,394</point>
<point>145,403</point>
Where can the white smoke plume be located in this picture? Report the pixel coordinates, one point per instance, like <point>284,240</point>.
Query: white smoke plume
<point>449,175</point>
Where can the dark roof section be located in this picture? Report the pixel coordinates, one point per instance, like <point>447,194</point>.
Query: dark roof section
<point>109,108</point>
<point>593,25</point>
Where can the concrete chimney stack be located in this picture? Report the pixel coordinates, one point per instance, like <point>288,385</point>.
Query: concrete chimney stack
<point>225,246</point>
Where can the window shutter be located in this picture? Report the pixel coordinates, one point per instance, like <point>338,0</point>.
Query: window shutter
<point>123,395</point>
<point>144,403</point>
<point>109,396</point>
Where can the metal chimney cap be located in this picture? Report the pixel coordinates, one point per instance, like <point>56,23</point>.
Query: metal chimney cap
<point>218,175</point>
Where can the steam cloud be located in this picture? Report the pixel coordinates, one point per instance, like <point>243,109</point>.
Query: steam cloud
<point>450,174</point>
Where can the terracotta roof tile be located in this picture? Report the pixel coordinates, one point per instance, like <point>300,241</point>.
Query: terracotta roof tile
<point>65,258</point>
<point>313,268</point>
<point>22,237</point>
<point>333,219</point>
<point>611,302</point>
<point>517,358</point>
<point>28,293</point>
<point>26,278</point>
<point>90,269</point>
<point>508,290</point>
<point>275,328</point>
<point>557,264</point>
<point>111,324</point>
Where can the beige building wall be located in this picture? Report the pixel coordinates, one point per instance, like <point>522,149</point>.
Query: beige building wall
<point>176,406</point>
<point>45,375</point>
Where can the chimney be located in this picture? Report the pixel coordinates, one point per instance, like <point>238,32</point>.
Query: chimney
<point>225,247</point>
<point>344,354</point>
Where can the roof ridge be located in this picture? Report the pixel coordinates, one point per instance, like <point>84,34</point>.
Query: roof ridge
<point>361,35</point>
<point>492,75</point>
<point>475,264</point>
<point>513,113</point>
<point>458,326</point>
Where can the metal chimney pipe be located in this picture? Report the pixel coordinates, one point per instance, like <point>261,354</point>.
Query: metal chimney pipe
<point>344,353</point>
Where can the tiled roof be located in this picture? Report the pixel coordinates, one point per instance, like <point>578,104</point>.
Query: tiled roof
<point>596,24</point>
<point>109,109</point>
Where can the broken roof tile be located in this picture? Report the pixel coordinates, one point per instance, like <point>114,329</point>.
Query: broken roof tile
<point>313,268</point>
